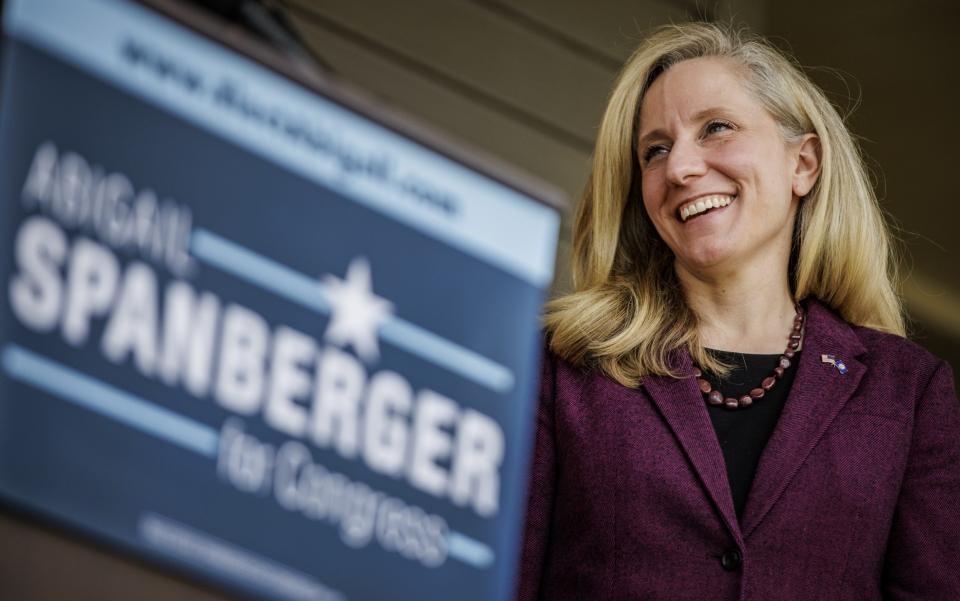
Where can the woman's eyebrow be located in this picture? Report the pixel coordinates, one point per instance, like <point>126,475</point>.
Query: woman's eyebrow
<point>647,138</point>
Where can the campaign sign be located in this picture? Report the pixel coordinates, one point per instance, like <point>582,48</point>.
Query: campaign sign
<point>250,333</point>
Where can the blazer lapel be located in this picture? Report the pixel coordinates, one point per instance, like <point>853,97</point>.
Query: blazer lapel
<point>819,391</point>
<point>681,404</point>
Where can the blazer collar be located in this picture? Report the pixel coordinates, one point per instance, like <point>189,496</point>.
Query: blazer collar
<point>682,406</point>
<point>819,392</point>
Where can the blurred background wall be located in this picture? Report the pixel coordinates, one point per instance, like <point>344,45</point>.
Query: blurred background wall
<point>526,80</point>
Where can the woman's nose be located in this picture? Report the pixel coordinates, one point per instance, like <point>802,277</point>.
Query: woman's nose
<point>684,162</point>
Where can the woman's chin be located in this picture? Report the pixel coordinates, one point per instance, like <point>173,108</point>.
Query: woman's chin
<point>707,257</point>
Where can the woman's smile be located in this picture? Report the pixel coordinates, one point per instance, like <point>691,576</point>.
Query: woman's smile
<point>711,203</point>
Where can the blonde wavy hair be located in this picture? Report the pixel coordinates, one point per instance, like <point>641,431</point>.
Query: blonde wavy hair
<point>627,312</point>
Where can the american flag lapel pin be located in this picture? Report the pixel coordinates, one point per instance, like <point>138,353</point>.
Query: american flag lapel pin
<point>834,361</point>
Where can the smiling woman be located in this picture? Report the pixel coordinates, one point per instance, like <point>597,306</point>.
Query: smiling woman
<point>728,407</point>
<point>705,139</point>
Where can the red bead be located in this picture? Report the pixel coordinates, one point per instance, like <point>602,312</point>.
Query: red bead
<point>794,344</point>
<point>715,398</point>
<point>746,401</point>
<point>778,371</point>
<point>731,403</point>
<point>789,353</point>
<point>768,383</point>
<point>705,387</point>
<point>696,372</point>
<point>794,336</point>
<point>784,362</point>
<point>757,393</point>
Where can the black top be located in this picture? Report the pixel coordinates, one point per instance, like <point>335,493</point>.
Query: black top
<point>743,433</point>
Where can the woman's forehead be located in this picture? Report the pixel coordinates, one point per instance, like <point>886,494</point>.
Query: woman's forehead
<point>690,85</point>
<point>692,90</point>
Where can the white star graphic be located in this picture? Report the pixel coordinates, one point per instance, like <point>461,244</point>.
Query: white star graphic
<point>356,313</point>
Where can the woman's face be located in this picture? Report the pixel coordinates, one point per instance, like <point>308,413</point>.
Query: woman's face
<point>718,180</point>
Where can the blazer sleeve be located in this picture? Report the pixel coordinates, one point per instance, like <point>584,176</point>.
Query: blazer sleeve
<point>923,551</point>
<point>542,485</point>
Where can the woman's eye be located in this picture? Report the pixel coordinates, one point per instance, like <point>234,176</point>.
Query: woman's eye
<point>653,152</point>
<point>717,126</point>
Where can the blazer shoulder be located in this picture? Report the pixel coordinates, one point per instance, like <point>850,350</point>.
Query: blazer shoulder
<point>890,358</point>
<point>561,379</point>
<point>898,357</point>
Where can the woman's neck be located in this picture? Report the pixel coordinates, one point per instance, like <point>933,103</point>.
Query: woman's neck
<point>747,311</point>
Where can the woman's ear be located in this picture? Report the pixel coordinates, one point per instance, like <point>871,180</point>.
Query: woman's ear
<point>808,164</point>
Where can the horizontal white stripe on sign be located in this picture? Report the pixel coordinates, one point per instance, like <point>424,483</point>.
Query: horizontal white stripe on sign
<point>221,92</point>
<point>243,263</point>
<point>95,395</point>
<point>469,550</point>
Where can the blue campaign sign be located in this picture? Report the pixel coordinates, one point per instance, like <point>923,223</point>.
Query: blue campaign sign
<point>249,332</point>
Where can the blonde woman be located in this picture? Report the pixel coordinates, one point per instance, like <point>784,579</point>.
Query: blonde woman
<point>728,407</point>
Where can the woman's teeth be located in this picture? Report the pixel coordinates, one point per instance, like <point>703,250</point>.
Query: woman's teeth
<point>704,204</point>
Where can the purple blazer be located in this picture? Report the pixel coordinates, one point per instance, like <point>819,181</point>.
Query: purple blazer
<point>857,494</point>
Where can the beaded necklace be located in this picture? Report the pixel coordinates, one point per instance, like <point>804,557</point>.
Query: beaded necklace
<point>716,398</point>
